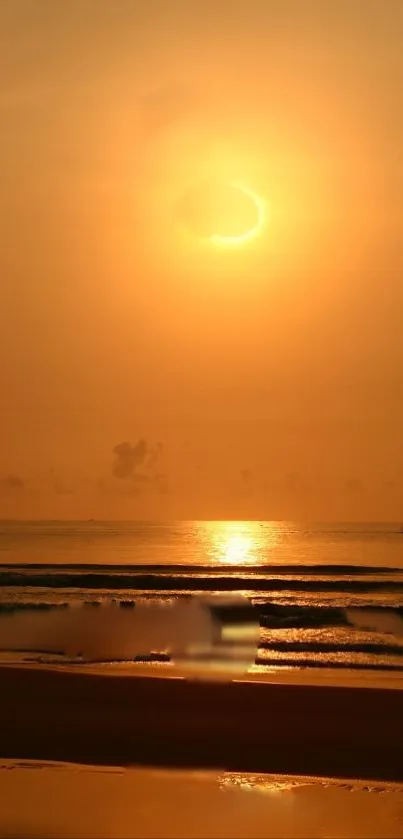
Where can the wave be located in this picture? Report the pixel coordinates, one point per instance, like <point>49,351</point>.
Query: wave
<point>271,615</point>
<point>320,569</point>
<point>293,616</point>
<point>335,665</point>
<point>294,597</point>
<point>371,648</point>
<point>291,636</point>
<point>194,582</point>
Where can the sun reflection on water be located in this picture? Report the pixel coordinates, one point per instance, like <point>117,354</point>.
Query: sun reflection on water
<point>240,542</point>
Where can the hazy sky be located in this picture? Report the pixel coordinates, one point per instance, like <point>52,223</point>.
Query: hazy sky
<point>144,373</point>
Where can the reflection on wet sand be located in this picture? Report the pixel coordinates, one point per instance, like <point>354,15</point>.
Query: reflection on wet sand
<point>45,800</point>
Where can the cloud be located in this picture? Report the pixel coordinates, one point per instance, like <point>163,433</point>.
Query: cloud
<point>140,478</point>
<point>134,466</point>
<point>12,482</point>
<point>154,455</point>
<point>37,485</point>
<point>128,458</point>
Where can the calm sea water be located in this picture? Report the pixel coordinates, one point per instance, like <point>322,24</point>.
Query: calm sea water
<point>301,577</point>
<point>203,543</point>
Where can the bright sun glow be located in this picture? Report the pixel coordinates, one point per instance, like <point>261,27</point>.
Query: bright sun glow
<point>253,232</point>
<point>222,213</point>
<point>239,542</point>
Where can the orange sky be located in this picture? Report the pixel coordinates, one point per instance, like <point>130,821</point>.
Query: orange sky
<point>265,380</point>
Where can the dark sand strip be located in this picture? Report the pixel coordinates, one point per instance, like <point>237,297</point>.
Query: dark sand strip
<point>252,726</point>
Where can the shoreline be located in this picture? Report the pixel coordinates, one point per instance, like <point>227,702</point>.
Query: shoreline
<point>53,799</point>
<point>280,726</point>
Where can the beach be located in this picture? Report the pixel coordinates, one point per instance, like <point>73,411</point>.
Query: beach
<point>67,714</point>
<point>307,743</point>
<point>90,754</point>
<point>44,800</point>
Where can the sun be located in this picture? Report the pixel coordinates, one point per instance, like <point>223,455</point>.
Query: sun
<point>253,232</point>
<point>224,214</point>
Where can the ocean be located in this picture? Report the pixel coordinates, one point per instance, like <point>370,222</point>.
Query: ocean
<point>303,579</point>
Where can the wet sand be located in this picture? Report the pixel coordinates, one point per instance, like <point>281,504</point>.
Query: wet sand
<point>252,726</point>
<point>44,800</point>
